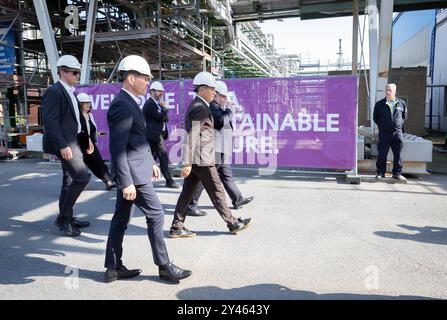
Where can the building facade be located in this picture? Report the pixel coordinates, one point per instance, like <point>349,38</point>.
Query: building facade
<point>420,40</point>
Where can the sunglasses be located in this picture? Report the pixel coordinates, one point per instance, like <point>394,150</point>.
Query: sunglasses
<point>75,72</point>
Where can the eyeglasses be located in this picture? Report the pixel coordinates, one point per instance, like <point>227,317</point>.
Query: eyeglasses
<point>75,72</point>
<point>143,77</point>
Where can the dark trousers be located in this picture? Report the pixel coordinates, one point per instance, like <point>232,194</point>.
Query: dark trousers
<point>213,186</point>
<point>148,202</point>
<point>387,140</point>
<point>159,151</point>
<point>96,165</point>
<point>226,177</point>
<point>75,178</point>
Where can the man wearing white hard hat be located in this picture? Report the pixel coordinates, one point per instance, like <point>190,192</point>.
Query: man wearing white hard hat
<point>223,147</point>
<point>156,115</point>
<point>199,163</point>
<point>61,120</point>
<point>87,142</point>
<point>133,167</point>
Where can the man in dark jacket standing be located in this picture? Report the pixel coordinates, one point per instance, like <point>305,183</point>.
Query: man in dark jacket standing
<point>390,114</point>
<point>156,115</point>
<point>61,120</point>
<point>133,167</point>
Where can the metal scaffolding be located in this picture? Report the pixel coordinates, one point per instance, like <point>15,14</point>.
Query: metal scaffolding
<point>178,38</point>
<point>20,85</point>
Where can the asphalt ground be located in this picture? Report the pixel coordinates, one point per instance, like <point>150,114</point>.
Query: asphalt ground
<point>313,237</point>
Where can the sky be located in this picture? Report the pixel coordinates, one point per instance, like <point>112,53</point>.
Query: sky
<point>317,38</point>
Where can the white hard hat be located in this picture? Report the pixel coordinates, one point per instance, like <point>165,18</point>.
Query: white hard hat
<point>68,61</point>
<point>83,97</point>
<point>221,88</point>
<point>204,78</point>
<point>156,86</point>
<point>135,63</point>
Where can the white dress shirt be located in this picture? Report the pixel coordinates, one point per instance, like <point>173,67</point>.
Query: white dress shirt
<point>70,90</point>
<point>87,118</point>
<point>136,99</point>
<point>207,104</point>
<point>93,120</point>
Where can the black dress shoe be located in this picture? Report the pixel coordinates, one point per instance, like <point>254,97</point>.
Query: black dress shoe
<point>79,224</point>
<point>239,204</point>
<point>110,185</point>
<point>67,228</point>
<point>120,273</point>
<point>195,212</point>
<point>182,233</point>
<point>172,184</point>
<point>170,272</point>
<point>240,225</point>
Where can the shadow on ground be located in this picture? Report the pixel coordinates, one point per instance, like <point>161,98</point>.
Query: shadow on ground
<point>29,239</point>
<point>427,234</point>
<point>271,291</point>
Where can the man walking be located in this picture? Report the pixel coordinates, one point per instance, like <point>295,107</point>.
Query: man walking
<point>223,148</point>
<point>133,167</point>
<point>60,115</point>
<point>390,114</point>
<point>156,115</point>
<point>199,163</point>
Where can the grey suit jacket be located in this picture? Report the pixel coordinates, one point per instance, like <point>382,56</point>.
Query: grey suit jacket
<point>129,149</point>
<point>59,120</point>
<point>198,142</point>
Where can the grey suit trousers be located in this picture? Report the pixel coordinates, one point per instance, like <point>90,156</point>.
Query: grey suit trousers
<point>75,178</point>
<point>147,201</point>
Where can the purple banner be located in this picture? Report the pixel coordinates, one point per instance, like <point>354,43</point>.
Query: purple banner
<point>306,122</point>
<point>103,94</point>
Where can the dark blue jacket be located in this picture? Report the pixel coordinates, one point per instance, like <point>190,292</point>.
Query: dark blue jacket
<point>222,118</point>
<point>223,136</point>
<point>155,119</point>
<point>387,122</point>
<point>59,120</point>
<point>129,149</point>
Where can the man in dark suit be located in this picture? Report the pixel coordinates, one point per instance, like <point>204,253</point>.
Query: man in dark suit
<point>223,147</point>
<point>199,162</point>
<point>156,115</point>
<point>133,167</point>
<point>60,115</point>
<point>390,114</point>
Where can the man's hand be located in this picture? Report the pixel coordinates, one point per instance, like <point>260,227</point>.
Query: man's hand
<point>230,105</point>
<point>91,147</point>
<point>155,173</point>
<point>66,153</point>
<point>186,171</point>
<point>162,103</point>
<point>130,193</point>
